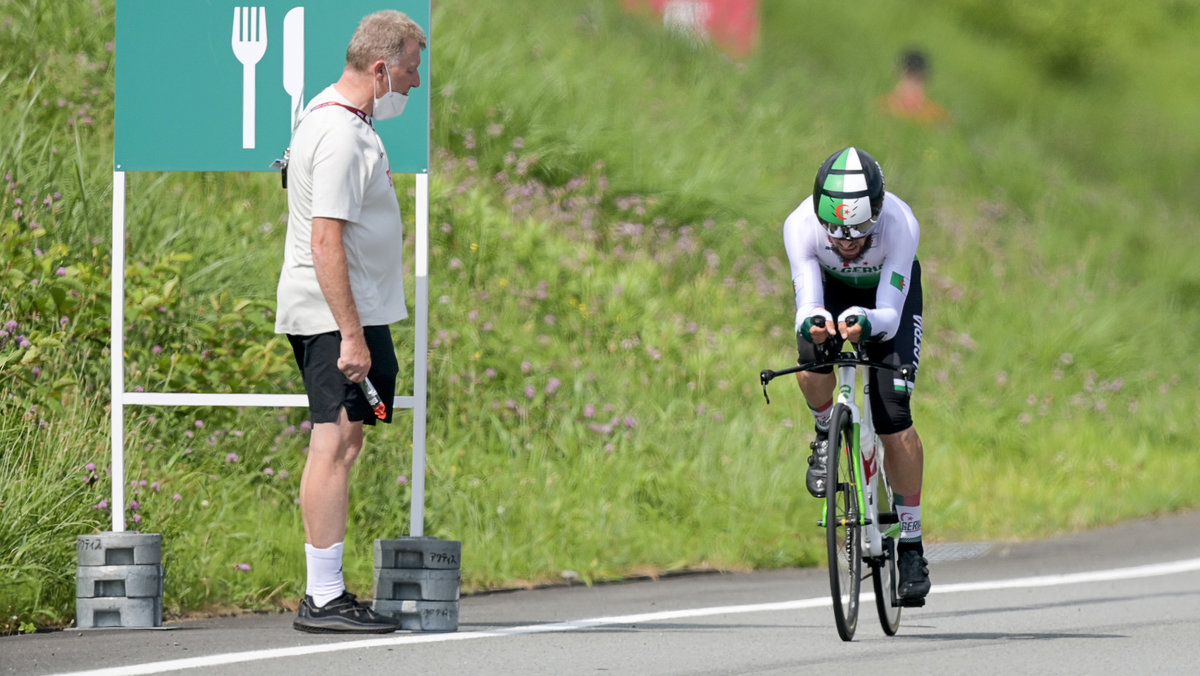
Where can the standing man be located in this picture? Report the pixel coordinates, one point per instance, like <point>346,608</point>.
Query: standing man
<point>853,252</point>
<point>340,287</point>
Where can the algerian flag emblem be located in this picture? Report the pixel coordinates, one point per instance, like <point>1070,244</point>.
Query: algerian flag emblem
<point>845,199</point>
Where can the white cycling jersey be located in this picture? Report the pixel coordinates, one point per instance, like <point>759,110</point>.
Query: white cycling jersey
<point>885,265</point>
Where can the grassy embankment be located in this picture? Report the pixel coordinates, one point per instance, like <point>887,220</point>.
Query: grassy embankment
<point>608,279</point>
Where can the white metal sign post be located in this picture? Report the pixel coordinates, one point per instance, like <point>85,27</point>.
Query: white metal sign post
<point>238,76</point>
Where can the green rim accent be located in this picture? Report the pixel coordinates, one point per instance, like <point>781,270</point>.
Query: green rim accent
<point>856,458</point>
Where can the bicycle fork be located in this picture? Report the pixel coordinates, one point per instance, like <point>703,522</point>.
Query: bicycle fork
<point>854,457</point>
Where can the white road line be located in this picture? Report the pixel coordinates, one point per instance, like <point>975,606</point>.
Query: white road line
<point>1152,570</point>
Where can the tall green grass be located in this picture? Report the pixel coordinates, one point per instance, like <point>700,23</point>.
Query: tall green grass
<point>607,280</point>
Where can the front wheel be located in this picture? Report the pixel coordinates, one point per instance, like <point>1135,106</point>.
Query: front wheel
<point>842,513</point>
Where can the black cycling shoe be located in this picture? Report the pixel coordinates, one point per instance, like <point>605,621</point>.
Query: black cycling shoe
<point>914,577</point>
<point>817,467</point>
<point>345,614</point>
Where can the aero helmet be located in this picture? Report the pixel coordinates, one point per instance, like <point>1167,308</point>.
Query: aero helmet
<point>848,193</point>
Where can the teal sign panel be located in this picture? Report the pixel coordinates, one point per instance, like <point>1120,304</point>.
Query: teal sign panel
<point>212,85</point>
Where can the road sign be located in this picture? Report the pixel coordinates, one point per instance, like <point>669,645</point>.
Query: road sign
<point>212,85</point>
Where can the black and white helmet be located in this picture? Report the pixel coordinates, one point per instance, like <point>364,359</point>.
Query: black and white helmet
<point>848,193</point>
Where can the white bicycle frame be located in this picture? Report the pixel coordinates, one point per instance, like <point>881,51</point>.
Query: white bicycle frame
<point>864,439</point>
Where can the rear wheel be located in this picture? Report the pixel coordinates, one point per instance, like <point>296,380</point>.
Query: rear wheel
<point>883,576</point>
<point>842,537</point>
<point>883,569</point>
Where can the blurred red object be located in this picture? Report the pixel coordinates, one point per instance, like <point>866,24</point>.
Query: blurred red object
<point>732,25</point>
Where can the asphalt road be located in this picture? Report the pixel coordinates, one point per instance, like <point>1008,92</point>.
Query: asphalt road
<point>1119,600</point>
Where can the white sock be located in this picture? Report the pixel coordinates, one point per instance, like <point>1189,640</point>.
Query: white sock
<point>910,522</point>
<point>822,416</point>
<point>325,581</point>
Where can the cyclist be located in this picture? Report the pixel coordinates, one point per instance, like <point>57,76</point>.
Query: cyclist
<point>852,247</point>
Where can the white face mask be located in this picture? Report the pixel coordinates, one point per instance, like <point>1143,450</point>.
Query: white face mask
<point>390,104</point>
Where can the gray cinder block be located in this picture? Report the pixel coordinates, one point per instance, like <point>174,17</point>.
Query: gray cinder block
<point>421,615</point>
<point>118,581</point>
<point>119,549</point>
<point>96,613</point>
<point>416,584</point>
<point>418,552</point>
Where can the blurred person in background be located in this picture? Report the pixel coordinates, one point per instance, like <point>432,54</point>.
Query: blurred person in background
<point>908,99</point>
<point>340,288</point>
<point>852,247</point>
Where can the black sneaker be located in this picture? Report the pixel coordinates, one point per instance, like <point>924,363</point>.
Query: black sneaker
<point>343,614</point>
<point>914,575</point>
<point>817,469</point>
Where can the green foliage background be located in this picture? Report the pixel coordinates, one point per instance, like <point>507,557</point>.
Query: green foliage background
<point>608,279</point>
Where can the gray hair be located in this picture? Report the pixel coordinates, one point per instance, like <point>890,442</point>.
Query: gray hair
<point>382,35</point>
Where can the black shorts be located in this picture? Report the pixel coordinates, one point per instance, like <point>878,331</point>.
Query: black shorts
<point>329,390</point>
<point>890,394</point>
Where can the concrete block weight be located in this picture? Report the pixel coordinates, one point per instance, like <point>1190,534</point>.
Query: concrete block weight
<point>119,581</point>
<point>418,552</point>
<point>99,613</point>
<point>416,584</point>
<point>421,615</point>
<point>119,549</point>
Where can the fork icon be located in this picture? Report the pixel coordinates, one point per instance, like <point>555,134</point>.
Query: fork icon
<point>249,46</point>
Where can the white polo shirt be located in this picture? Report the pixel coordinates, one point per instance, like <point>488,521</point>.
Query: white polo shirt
<point>338,168</point>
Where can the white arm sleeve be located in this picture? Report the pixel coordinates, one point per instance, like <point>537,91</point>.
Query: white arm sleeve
<point>900,243</point>
<point>802,255</point>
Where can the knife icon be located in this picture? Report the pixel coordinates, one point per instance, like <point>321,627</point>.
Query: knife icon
<point>293,60</point>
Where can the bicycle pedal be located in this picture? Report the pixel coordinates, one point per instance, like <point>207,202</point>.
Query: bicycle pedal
<point>909,603</point>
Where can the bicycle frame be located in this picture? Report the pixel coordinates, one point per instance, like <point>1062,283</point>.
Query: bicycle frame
<point>849,366</point>
<point>863,435</point>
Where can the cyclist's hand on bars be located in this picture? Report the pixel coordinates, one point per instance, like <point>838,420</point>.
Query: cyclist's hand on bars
<point>853,324</point>
<point>816,327</point>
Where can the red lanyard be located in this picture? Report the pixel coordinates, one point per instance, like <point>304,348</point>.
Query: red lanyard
<point>361,115</point>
